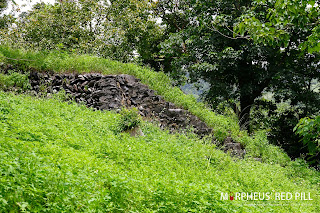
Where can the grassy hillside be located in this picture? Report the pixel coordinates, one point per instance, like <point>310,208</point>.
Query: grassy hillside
<point>256,146</point>
<point>60,157</point>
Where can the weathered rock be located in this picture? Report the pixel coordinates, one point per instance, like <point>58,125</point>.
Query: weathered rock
<point>135,132</point>
<point>234,148</point>
<point>81,78</point>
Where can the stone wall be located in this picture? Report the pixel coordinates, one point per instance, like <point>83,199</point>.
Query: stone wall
<point>111,92</point>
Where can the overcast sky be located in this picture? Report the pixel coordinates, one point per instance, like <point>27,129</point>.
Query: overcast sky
<point>24,5</point>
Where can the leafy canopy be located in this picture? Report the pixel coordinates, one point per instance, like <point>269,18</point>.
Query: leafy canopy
<point>112,29</point>
<point>309,129</point>
<point>277,21</point>
<point>207,46</point>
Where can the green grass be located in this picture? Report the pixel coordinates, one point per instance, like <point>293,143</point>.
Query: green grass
<point>62,157</point>
<point>14,80</point>
<point>223,126</point>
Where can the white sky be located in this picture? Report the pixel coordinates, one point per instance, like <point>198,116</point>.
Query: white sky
<point>24,5</point>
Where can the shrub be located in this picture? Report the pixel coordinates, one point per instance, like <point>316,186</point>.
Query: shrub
<point>309,129</point>
<point>129,119</point>
<point>14,79</point>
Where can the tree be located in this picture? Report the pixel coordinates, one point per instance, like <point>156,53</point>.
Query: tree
<point>139,26</point>
<point>280,19</point>
<point>206,49</point>
<point>113,29</point>
<point>3,19</point>
<point>3,5</point>
<point>309,129</point>
<point>292,26</point>
<point>71,26</point>
<point>173,20</point>
<point>238,69</point>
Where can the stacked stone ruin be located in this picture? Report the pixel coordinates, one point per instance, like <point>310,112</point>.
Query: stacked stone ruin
<point>112,92</point>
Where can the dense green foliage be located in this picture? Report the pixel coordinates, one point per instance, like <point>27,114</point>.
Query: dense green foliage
<point>60,157</point>
<point>280,115</point>
<point>112,29</point>
<point>225,47</point>
<point>14,80</point>
<point>207,46</point>
<point>278,20</point>
<point>260,59</point>
<point>309,129</point>
<point>293,27</point>
<point>178,37</point>
<point>129,119</point>
<point>232,66</point>
<point>3,19</point>
<point>3,5</point>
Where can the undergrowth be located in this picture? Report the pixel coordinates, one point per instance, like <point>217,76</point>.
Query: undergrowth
<point>62,157</point>
<point>14,81</point>
<point>223,126</point>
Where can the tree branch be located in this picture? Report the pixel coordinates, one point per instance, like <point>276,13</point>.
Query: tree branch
<point>234,38</point>
<point>15,59</point>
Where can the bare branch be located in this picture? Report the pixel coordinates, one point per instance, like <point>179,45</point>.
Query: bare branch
<point>234,38</point>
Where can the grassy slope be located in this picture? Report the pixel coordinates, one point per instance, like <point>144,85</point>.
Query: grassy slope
<point>56,157</point>
<point>223,126</point>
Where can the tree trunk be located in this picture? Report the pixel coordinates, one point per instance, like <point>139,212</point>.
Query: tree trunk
<point>246,103</point>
